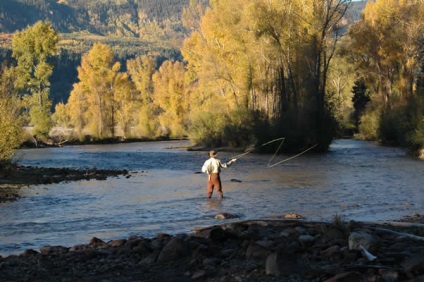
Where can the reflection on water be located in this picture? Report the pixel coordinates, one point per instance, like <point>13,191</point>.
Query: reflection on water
<point>166,193</point>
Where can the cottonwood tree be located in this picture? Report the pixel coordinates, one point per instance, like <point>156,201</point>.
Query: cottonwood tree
<point>141,70</point>
<point>170,96</point>
<point>270,56</point>
<point>10,121</point>
<point>386,48</point>
<point>91,103</point>
<point>386,45</point>
<point>32,48</point>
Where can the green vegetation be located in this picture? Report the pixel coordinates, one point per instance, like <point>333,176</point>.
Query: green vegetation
<point>32,48</point>
<point>10,121</point>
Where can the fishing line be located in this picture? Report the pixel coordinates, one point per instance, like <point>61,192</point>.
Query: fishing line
<point>254,148</point>
<point>288,159</point>
<point>282,139</point>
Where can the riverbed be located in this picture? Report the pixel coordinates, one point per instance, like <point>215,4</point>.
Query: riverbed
<point>165,192</point>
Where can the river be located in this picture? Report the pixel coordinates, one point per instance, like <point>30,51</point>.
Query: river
<point>356,180</point>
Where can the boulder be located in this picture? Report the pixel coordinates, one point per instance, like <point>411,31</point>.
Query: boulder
<point>306,240</point>
<point>414,265</point>
<point>361,238</point>
<point>257,252</point>
<point>282,264</point>
<point>174,250</point>
<point>46,250</point>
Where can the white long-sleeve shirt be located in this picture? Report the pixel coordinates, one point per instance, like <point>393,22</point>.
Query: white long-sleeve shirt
<point>217,164</point>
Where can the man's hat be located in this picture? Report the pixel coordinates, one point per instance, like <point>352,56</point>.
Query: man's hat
<point>212,153</point>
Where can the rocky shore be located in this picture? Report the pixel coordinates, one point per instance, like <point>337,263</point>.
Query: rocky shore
<point>254,250</point>
<point>21,176</point>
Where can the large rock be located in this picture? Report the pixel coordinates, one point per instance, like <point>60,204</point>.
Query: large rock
<point>361,238</point>
<point>257,252</point>
<point>174,250</point>
<point>414,265</point>
<point>281,264</point>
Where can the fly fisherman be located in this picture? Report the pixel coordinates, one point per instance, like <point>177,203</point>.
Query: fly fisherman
<point>213,168</point>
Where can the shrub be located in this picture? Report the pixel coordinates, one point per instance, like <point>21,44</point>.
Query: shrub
<point>369,125</point>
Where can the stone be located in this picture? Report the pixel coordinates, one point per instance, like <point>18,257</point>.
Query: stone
<point>97,243</point>
<point>117,243</point>
<point>200,274</point>
<point>332,253</point>
<point>389,275</point>
<point>282,264</point>
<point>306,240</point>
<point>175,249</point>
<point>53,250</point>
<point>216,234</point>
<point>257,252</point>
<point>361,238</point>
<point>414,265</point>
<point>351,276</point>
<point>292,216</point>
<point>226,216</point>
<point>142,248</point>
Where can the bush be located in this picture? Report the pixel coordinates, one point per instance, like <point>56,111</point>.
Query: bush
<point>415,134</point>
<point>394,126</point>
<point>369,125</point>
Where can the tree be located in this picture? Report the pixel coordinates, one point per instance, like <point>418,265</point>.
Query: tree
<point>10,121</point>
<point>268,56</point>
<point>32,48</point>
<point>386,48</point>
<point>126,103</point>
<point>170,96</point>
<point>91,103</point>
<point>141,70</point>
<point>385,45</point>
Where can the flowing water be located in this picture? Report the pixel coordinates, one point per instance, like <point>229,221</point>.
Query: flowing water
<point>166,192</point>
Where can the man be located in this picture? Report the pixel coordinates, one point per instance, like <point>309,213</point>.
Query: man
<point>213,168</point>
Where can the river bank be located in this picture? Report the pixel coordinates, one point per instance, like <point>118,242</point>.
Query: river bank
<point>253,250</point>
<point>20,176</point>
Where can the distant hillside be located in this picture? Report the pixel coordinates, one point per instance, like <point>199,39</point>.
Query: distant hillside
<point>103,17</point>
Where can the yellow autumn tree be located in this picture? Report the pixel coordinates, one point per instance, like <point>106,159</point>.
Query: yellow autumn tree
<point>385,44</point>
<point>386,47</point>
<point>125,104</point>
<point>170,96</point>
<point>266,57</point>
<point>91,102</point>
<point>141,70</point>
<point>10,121</point>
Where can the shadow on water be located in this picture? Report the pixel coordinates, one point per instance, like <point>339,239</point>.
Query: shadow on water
<point>356,180</point>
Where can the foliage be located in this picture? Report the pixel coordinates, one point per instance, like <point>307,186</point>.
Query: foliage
<point>261,56</point>
<point>360,99</point>
<point>171,99</point>
<point>386,48</point>
<point>92,103</point>
<point>141,70</point>
<point>10,122</point>
<point>370,124</point>
<point>32,49</point>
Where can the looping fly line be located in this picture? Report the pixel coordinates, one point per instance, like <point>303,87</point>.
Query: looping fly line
<point>276,152</point>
